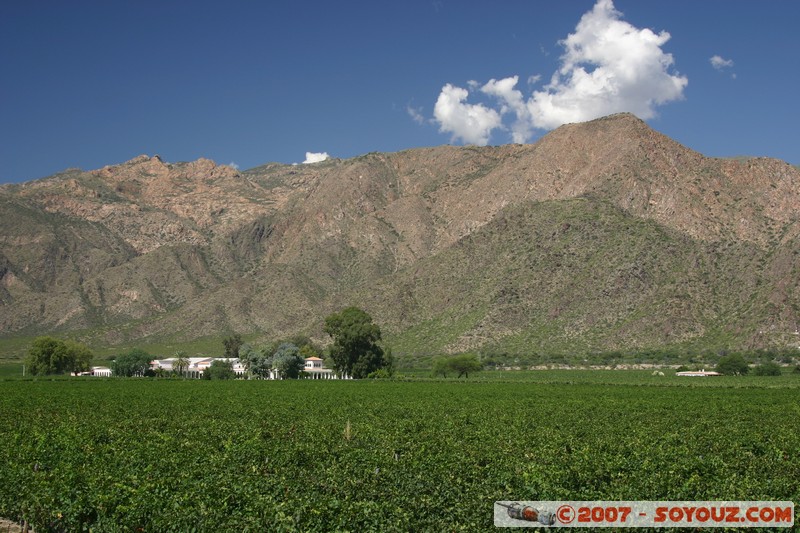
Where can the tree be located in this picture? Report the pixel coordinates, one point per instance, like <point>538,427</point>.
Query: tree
<point>232,345</point>
<point>288,361</point>
<point>308,351</point>
<point>388,363</point>
<point>219,369</point>
<point>134,363</point>
<point>181,363</point>
<point>767,369</point>
<point>461,364</point>
<point>79,356</point>
<point>257,361</point>
<point>53,356</point>
<point>464,364</point>
<point>46,356</point>
<point>440,367</point>
<point>733,365</point>
<point>354,350</point>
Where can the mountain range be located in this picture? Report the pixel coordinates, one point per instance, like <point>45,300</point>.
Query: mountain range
<point>602,236</point>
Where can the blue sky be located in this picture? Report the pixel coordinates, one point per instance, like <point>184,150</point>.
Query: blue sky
<point>90,83</point>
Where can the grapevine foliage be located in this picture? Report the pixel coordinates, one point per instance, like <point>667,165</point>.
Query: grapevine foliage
<point>149,455</point>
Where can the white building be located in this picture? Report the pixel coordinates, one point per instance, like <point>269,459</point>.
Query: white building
<point>316,370</point>
<point>698,373</point>
<point>101,371</point>
<point>163,364</point>
<point>196,365</point>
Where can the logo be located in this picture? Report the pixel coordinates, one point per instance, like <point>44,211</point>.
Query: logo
<point>650,514</point>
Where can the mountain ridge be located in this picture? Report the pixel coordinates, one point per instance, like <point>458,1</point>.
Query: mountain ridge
<point>148,249</point>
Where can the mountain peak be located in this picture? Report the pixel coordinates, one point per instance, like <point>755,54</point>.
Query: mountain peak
<point>623,116</point>
<point>618,122</point>
<point>467,239</point>
<point>144,158</point>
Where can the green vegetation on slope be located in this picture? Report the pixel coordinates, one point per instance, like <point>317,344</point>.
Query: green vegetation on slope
<point>574,278</point>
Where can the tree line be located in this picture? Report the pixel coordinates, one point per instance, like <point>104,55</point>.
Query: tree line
<point>355,351</point>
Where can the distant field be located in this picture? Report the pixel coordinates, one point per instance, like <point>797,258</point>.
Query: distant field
<point>620,377</point>
<point>150,455</point>
<point>10,370</point>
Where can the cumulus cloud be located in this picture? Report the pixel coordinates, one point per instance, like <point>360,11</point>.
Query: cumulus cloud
<point>233,165</point>
<point>471,123</point>
<point>511,100</point>
<point>608,66</point>
<point>315,157</point>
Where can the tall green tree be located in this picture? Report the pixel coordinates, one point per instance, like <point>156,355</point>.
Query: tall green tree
<point>733,365</point>
<point>288,361</point>
<point>303,341</point>
<point>79,356</point>
<point>232,344</point>
<point>219,369</point>
<point>48,355</point>
<point>134,363</point>
<point>257,361</point>
<point>355,350</point>
<point>309,351</point>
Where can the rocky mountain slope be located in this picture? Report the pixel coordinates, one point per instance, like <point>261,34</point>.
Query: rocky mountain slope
<point>603,235</point>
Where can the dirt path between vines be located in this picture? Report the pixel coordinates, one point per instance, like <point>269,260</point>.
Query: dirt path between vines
<point>7,526</point>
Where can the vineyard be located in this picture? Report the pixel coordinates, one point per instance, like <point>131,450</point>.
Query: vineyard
<point>150,455</point>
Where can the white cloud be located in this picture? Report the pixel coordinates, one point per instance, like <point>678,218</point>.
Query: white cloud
<point>233,165</point>
<point>472,123</point>
<point>315,157</point>
<point>511,100</point>
<point>416,114</point>
<point>608,66</point>
<point>719,63</point>
<point>533,80</point>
